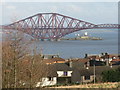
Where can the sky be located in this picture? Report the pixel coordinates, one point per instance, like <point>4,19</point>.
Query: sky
<point>94,12</point>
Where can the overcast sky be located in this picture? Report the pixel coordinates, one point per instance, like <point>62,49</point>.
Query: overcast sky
<point>94,12</point>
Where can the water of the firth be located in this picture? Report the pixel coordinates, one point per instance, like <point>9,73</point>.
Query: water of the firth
<point>78,48</point>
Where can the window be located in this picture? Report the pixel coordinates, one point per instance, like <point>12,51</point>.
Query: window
<point>87,77</point>
<point>65,73</point>
<point>50,79</point>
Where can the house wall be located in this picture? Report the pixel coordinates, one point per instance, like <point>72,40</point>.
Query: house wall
<point>61,73</point>
<point>46,82</point>
<point>70,73</point>
<point>75,77</point>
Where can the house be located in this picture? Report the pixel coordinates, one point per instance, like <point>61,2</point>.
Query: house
<point>84,62</point>
<point>103,57</point>
<point>82,75</point>
<point>59,73</point>
<point>97,63</point>
<point>49,56</point>
<point>86,75</point>
<point>115,62</point>
<point>64,73</point>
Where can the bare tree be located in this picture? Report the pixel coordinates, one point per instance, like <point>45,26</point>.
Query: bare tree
<point>34,69</point>
<point>20,69</point>
<point>13,49</point>
<point>0,65</point>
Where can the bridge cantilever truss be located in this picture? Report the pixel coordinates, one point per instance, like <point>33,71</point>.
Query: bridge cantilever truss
<point>53,25</point>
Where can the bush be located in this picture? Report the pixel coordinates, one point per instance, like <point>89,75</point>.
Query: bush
<point>111,75</point>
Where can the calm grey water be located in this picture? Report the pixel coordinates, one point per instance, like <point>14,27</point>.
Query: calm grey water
<point>78,48</point>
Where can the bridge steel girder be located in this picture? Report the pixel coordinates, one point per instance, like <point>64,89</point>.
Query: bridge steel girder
<point>53,25</point>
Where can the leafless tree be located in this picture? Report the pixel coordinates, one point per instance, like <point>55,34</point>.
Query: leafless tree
<point>34,69</point>
<point>14,47</point>
<point>0,65</point>
<point>21,69</point>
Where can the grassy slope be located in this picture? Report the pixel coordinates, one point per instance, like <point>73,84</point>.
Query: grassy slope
<point>97,85</point>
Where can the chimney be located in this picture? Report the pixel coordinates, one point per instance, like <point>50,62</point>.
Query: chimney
<point>70,64</point>
<point>86,55</point>
<point>106,53</point>
<point>102,53</point>
<point>107,62</point>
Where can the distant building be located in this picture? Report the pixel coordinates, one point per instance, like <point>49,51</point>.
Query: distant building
<point>52,59</point>
<point>103,57</point>
<point>115,62</point>
<point>84,62</point>
<point>49,56</point>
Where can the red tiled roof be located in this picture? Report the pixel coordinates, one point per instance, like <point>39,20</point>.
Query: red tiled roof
<point>116,60</point>
<point>80,60</point>
<point>54,60</point>
<point>58,59</point>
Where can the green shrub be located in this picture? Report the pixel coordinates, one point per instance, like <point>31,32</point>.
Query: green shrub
<point>111,75</point>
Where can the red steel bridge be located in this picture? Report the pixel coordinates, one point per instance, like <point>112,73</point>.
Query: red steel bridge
<point>53,25</point>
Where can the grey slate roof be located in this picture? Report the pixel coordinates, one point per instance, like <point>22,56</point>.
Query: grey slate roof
<point>53,68</point>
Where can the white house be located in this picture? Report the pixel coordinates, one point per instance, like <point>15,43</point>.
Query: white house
<point>64,73</point>
<point>61,73</point>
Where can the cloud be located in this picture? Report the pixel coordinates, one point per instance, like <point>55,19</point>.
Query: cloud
<point>91,12</point>
<point>60,0</point>
<point>73,8</point>
<point>54,8</point>
<point>2,2</point>
<point>11,7</point>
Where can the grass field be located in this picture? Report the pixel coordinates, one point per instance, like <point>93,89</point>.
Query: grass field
<point>97,85</point>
